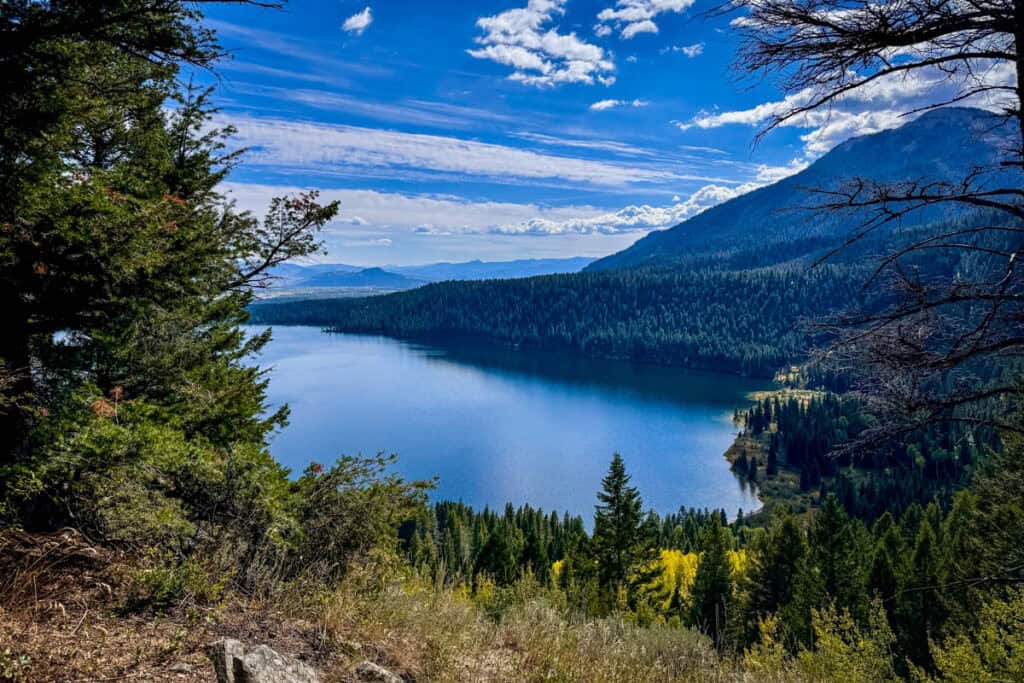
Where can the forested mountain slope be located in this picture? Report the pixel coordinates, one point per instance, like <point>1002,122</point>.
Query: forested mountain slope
<point>744,322</point>
<point>944,144</point>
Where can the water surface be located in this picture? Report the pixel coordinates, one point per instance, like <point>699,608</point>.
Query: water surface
<point>503,426</point>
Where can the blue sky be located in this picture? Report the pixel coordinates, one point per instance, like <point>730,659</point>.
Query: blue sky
<point>501,129</point>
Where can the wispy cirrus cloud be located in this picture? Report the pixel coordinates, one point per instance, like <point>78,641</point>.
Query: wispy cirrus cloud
<point>414,111</point>
<point>603,105</point>
<point>416,213</point>
<point>633,17</point>
<point>326,149</point>
<point>526,40</point>
<point>293,48</point>
<point>432,215</point>
<point>601,145</point>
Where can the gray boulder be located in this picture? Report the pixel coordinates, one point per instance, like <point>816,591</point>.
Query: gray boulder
<point>259,665</point>
<point>372,673</point>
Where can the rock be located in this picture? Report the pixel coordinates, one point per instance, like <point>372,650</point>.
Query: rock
<point>180,668</point>
<point>260,665</point>
<point>372,673</point>
<point>224,654</point>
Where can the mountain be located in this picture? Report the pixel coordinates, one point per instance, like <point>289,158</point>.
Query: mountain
<point>944,144</point>
<point>368,277</point>
<point>291,276</point>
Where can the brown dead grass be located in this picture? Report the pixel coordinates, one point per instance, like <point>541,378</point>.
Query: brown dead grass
<point>61,606</point>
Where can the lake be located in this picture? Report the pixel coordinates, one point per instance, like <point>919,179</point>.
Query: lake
<point>501,425</point>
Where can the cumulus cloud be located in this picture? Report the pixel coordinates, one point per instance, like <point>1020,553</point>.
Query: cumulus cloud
<point>602,105</point>
<point>525,40</point>
<point>771,174</point>
<point>330,150</point>
<point>641,218</point>
<point>358,23</point>
<point>633,17</point>
<point>636,27</point>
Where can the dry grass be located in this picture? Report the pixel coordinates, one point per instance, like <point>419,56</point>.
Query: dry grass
<point>61,614</point>
<point>426,634</point>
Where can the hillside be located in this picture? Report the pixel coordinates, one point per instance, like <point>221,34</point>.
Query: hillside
<point>744,322</point>
<point>942,144</point>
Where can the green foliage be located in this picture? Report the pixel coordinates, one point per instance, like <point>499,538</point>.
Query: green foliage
<point>14,667</point>
<point>167,584</point>
<point>844,651</point>
<point>711,599</point>
<point>775,556</point>
<point>348,509</point>
<point>990,652</point>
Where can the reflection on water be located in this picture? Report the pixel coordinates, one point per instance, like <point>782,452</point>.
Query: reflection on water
<point>508,426</point>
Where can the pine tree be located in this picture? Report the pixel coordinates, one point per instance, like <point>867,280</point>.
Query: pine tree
<point>622,539</point>
<point>774,560</point>
<point>711,598</point>
<point>836,554</point>
<point>921,605</point>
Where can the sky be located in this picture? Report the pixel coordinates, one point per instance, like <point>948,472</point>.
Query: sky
<point>453,130</point>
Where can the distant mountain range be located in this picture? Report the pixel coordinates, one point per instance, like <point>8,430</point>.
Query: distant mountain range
<point>943,144</point>
<point>291,276</point>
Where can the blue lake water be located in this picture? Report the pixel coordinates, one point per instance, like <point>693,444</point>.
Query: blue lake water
<point>503,426</point>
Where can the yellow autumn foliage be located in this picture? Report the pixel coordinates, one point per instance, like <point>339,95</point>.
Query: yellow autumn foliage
<point>677,568</point>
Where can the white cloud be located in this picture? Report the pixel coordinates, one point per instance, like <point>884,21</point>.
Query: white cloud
<point>691,51</point>
<point>379,242</point>
<point>877,105</point>
<point>641,218</point>
<point>636,27</point>
<point>576,143</point>
<point>419,112</point>
<point>538,54</point>
<point>416,214</point>
<point>441,216</point>
<point>602,105</point>
<point>632,17</point>
<point>323,149</point>
<point>372,213</point>
<point>771,174</point>
<point>358,23</point>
